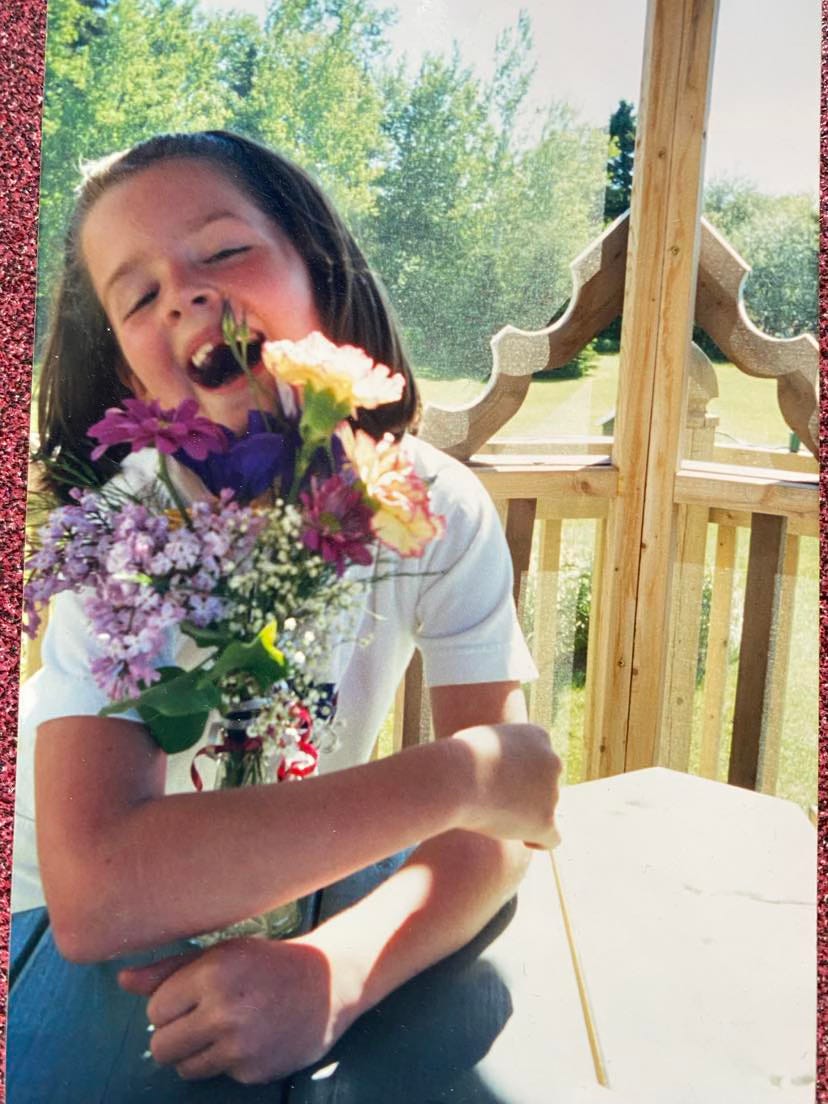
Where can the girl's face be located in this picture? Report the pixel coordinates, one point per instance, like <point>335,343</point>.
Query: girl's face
<point>164,250</point>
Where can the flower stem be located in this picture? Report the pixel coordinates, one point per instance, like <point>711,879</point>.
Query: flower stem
<point>166,479</point>
<point>237,336</point>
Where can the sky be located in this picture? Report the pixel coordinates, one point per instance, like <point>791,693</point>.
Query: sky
<point>589,55</point>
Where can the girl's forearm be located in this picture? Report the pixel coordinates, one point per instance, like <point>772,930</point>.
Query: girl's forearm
<point>440,899</point>
<point>168,867</point>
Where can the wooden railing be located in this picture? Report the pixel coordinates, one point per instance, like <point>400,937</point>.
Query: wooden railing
<point>536,498</point>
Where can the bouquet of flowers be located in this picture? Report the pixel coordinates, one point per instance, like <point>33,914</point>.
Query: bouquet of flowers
<point>254,570</point>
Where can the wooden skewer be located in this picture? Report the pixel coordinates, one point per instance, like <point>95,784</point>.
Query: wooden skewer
<point>589,1020</point>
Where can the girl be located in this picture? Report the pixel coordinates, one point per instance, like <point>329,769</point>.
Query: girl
<point>161,236</point>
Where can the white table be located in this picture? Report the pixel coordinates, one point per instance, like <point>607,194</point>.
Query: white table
<point>693,909</point>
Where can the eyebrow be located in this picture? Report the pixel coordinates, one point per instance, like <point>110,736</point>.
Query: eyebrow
<point>191,227</point>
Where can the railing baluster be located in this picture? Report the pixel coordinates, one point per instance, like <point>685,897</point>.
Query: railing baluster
<point>546,625</point>
<point>592,751</point>
<point>520,523</point>
<point>718,647</point>
<point>775,704</point>
<point>683,649</point>
<point>412,722</point>
<point>757,653</point>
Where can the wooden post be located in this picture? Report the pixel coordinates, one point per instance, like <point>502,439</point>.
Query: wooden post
<point>758,647</point>
<point>658,312</point>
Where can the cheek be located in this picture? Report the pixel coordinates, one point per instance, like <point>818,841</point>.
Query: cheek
<point>130,380</point>
<point>125,372</point>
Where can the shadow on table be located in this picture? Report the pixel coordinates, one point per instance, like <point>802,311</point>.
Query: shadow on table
<point>422,1043</point>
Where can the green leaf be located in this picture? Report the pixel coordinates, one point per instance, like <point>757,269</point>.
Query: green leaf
<point>173,734</point>
<point>254,658</point>
<point>166,673</point>
<point>119,707</point>
<point>180,695</point>
<point>205,637</point>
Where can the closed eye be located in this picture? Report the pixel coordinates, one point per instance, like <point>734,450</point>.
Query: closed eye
<point>146,298</point>
<point>223,254</point>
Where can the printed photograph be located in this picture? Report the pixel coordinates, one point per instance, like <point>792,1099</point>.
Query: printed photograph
<point>419,679</point>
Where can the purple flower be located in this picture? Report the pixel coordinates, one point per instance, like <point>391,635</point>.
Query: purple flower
<point>144,425</point>
<point>250,463</point>
<point>337,522</point>
<point>264,456</point>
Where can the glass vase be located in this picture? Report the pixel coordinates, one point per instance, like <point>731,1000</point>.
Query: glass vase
<point>240,762</point>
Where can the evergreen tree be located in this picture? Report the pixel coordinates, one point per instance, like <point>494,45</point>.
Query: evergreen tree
<point>620,161</point>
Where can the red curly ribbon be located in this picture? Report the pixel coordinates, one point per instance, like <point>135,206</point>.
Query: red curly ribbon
<point>295,770</point>
<point>212,751</point>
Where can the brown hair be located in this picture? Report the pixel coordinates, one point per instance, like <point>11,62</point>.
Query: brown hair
<point>80,373</point>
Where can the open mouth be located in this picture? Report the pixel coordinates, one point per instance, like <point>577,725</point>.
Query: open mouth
<point>214,365</point>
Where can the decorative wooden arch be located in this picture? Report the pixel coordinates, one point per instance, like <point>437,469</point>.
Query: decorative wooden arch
<point>597,299</point>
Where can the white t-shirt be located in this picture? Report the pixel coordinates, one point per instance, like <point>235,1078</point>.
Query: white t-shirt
<point>454,605</point>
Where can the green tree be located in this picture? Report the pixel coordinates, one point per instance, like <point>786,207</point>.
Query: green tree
<point>478,219</point>
<point>620,161</point>
<point>433,194</point>
<point>315,94</point>
<point>778,236</point>
<point>121,70</point>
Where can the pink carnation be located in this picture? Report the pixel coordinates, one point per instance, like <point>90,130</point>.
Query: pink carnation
<point>403,519</point>
<point>337,523</point>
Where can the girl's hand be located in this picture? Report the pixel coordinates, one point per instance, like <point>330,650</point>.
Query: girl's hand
<point>252,1009</point>
<point>516,783</point>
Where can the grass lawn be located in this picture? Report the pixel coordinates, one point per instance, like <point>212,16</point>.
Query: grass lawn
<point>746,407</point>
<point>553,408</point>
<point>748,413</point>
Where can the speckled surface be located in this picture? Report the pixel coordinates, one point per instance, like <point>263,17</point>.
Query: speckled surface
<point>822,862</point>
<point>22,30</point>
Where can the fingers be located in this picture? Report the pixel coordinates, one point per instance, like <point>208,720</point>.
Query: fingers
<point>187,1041</point>
<point>199,1067</point>
<point>175,997</point>
<point>144,980</point>
<point>192,1048</point>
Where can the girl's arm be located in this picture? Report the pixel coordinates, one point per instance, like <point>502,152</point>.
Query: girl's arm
<point>125,867</point>
<point>450,887</point>
<point>256,1010</point>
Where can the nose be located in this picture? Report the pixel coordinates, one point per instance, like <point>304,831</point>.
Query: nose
<point>187,290</point>
<point>178,305</point>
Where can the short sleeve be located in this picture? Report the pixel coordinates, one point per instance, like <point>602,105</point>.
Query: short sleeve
<point>466,626</point>
<point>63,686</point>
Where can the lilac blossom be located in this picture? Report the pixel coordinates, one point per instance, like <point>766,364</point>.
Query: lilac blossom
<point>139,576</point>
